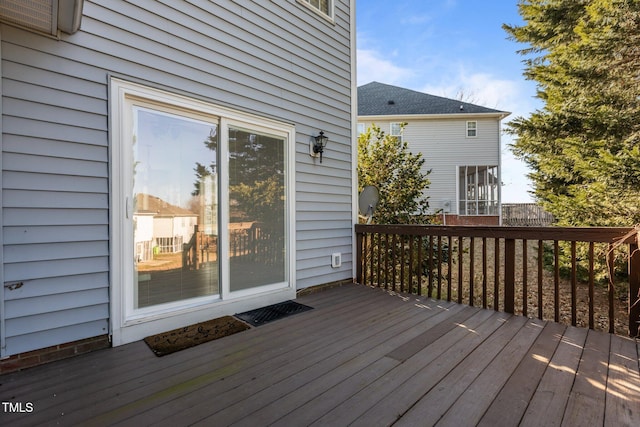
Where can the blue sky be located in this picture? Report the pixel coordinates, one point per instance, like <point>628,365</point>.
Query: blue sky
<point>447,47</point>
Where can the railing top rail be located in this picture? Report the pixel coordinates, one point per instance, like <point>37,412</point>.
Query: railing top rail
<point>577,234</point>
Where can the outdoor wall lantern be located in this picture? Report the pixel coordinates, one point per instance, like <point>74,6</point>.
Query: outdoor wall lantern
<point>318,144</point>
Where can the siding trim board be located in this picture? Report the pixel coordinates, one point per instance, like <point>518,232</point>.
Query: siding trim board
<point>3,341</point>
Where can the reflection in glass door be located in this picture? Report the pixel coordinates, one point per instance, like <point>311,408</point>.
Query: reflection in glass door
<point>175,208</point>
<point>257,209</point>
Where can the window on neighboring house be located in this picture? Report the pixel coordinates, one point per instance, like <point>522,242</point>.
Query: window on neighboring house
<point>472,129</point>
<point>361,129</point>
<point>478,190</point>
<point>324,6</point>
<point>396,130</point>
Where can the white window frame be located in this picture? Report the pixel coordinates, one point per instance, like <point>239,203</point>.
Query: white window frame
<point>314,5</point>
<point>361,128</point>
<point>488,192</point>
<point>472,129</point>
<point>129,325</point>
<point>398,129</point>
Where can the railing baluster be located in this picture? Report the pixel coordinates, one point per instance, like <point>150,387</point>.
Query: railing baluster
<point>496,275</point>
<point>484,272</point>
<point>556,281</point>
<point>375,245</point>
<point>591,283</point>
<point>574,288</point>
<point>386,262</point>
<point>540,277</point>
<point>634,289</point>
<point>450,269</point>
<point>439,267</point>
<point>430,266</point>
<point>610,258</point>
<point>410,269</point>
<point>472,252</point>
<point>401,262</point>
<point>393,263</point>
<point>525,290</point>
<point>460,266</point>
<point>509,275</point>
<point>420,265</point>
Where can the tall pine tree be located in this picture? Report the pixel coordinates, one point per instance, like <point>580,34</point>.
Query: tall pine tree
<point>583,146</point>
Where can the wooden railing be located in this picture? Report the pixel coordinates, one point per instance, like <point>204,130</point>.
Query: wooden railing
<point>190,258</point>
<point>555,272</point>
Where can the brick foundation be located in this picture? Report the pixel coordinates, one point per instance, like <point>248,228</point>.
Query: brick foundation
<point>471,220</point>
<point>29,359</point>
<point>320,288</point>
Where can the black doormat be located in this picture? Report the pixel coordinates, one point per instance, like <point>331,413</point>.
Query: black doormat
<point>192,335</point>
<point>267,314</point>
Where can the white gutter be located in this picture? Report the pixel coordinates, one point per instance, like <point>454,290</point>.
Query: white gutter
<point>499,115</point>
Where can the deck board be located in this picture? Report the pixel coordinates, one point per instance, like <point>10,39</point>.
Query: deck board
<point>476,399</point>
<point>437,402</point>
<point>549,401</point>
<point>350,356</point>
<point>586,400</point>
<point>519,389</point>
<point>623,383</point>
<point>411,379</point>
<point>363,356</point>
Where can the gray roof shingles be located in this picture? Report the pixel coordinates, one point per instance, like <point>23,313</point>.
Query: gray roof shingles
<point>378,99</point>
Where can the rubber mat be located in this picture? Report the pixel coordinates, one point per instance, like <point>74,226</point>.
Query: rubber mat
<point>189,336</point>
<point>267,314</point>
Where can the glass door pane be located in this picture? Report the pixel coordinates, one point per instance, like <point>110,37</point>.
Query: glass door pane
<point>175,205</point>
<point>257,209</point>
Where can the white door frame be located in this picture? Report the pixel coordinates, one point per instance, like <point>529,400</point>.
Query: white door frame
<point>127,328</point>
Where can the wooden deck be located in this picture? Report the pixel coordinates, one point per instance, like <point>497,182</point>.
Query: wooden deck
<point>361,357</point>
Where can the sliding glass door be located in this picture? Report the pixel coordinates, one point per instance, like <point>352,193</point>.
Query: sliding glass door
<point>257,209</point>
<point>201,210</point>
<point>175,208</point>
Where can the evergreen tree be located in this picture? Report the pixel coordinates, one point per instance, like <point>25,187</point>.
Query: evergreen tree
<point>583,145</point>
<point>386,163</point>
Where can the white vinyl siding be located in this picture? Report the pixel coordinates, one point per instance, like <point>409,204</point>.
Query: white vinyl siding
<point>445,147</point>
<point>256,57</point>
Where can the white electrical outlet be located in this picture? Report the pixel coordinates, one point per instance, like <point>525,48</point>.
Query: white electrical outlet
<point>336,260</point>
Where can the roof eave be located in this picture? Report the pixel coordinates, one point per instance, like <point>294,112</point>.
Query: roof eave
<point>498,114</point>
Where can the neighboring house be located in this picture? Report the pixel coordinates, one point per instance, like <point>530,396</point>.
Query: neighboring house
<point>460,143</point>
<point>210,106</point>
<point>170,228</point>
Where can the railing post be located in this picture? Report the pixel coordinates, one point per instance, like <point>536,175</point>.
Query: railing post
<point>634,289</point>
<point>359,257</point>
<point>509,275</point>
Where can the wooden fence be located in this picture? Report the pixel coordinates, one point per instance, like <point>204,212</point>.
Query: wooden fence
<point>525,215</point>
<point>515,269</point>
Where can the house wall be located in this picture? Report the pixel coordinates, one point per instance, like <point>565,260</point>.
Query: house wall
<point>445,146</point>
<point>276,59</point>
